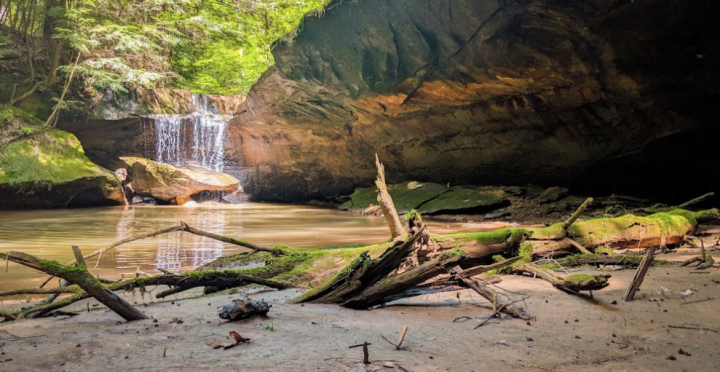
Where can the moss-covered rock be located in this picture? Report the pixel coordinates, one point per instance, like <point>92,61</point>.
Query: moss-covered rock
<point>166,183</point>
<point>406,196</point>
<point>47,168</point>
<point>428,198</point>
<point>463,201</point>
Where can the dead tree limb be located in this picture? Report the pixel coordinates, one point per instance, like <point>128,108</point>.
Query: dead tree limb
<point>506,304</point>
<point>640,274</point>
<point>566,225</point>
<point>570,283</point>
<point>386,204</point>
<point>377,293</point>
<point>192,230</point>
<point>697,200</point>
<point>77,274</point>
<point>8,316</point>
<point>32,291</point>
<point>578,246</point>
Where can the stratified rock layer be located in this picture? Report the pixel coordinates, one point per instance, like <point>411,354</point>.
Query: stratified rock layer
<point>168,183</point>
<point>599,95</point>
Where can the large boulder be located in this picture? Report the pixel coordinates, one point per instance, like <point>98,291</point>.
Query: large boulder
<point>48,169</point>
<point>168,183</point>
<point>596,95</point>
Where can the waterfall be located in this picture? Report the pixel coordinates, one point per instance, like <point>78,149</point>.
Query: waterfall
<point>196,139</point>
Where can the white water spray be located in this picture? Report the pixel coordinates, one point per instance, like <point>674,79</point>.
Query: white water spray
<point>196,139</point>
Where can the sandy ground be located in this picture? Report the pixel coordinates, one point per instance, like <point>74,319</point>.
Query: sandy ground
<point>571,333</point>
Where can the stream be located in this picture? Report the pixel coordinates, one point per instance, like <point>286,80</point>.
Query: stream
<point>49,234</point>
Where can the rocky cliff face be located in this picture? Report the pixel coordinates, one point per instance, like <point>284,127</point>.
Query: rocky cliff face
<point>605,96</point>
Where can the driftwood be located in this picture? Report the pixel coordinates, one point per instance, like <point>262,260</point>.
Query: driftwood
<point>386,204</point>
<point>77,274</point>
<point>639,275</point>
<point>570,283</point>
<point>181,227</point>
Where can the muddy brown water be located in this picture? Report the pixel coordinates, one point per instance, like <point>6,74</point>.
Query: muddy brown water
<point>50,235</point>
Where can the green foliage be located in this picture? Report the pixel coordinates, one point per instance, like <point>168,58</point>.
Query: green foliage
<point>212,47</point>
<point>270,326</point>
<point>45,159</point>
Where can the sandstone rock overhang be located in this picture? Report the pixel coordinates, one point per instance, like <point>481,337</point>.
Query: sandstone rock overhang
<point>598,95</point>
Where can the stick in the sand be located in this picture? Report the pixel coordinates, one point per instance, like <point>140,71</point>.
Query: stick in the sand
<point>696,301</point>
<point>402,336</point>
<point>366,353</point>
<point>695,328</point>
<point>640,274</point>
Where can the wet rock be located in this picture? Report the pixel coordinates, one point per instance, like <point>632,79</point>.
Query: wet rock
<point>49,169</point>
<point>244,308</point>
<point>167,183</point>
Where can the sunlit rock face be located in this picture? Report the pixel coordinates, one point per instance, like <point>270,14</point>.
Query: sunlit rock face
<point>605,96</point>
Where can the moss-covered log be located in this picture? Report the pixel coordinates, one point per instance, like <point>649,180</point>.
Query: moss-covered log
<point>78,274</point>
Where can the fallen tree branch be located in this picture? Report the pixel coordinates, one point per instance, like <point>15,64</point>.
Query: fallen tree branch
<point>570,283</point>
<point>77,274</point>
<point>192,230</point>
<point>570,221</point>
<point>506,304</point>
<point>28,291</point>
<point>639,275</point>
<point>386,204</point>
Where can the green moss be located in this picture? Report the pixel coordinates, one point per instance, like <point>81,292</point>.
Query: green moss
<point>462,200</point>
<point>406,196</point>
<point>605,250</point>
<point>483,237</point>
<point>44,160</point>
<point>525,253</point>
<point>580,280</point>
<point>551,232</point>
<point>498,258</point>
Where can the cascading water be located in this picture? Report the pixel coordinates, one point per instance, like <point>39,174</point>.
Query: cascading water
<point>196,139</point>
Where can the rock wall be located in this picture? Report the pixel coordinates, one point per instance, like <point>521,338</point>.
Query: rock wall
<point>604,96</point>
<point>119,106</point>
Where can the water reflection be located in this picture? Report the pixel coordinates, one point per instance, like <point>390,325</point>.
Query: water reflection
<point>50,235</point>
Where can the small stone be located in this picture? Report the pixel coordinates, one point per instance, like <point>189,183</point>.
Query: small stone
<point>578,337</point>
<point>530,339</point>
<point>389,365</point>
<point>671,357</point>
<point>78,345</point>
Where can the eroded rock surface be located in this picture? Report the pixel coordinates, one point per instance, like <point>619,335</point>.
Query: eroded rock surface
<point>175,184</point>
<point>596,95</point>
